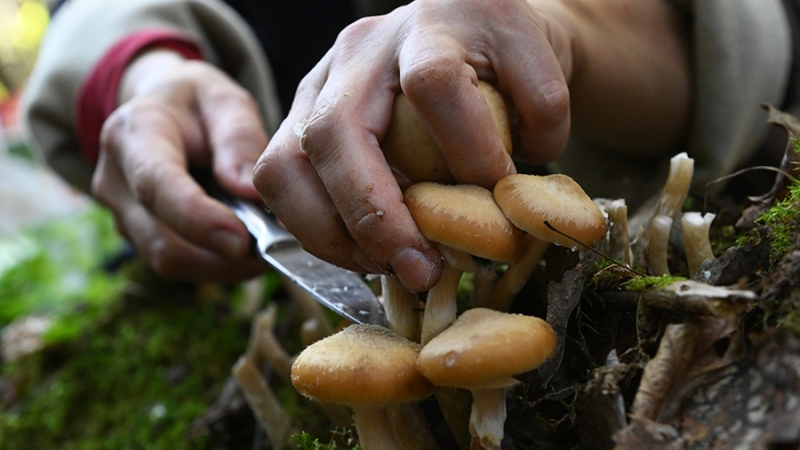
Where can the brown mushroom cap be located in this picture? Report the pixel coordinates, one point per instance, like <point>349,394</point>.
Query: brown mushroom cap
<point>485,346</point>
<point>530,200</point>
<point>411,150</point>
<point>362,364</point>
<point>464,217</point>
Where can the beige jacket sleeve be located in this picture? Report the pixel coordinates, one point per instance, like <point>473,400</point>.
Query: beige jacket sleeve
<point>742,59</point>
<point>83,30</point>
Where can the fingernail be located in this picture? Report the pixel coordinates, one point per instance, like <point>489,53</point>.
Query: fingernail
<point>413,268</point>
<point>228,243</point>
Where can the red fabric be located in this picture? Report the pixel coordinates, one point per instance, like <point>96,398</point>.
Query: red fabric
<point>97,97</point>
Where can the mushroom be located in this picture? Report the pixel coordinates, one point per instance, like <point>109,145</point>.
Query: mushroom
<point>619,238</point>
<point>481,352</point>
<point>411,150</point>
<point>530,201</point>
<point>657,255</point>
<point>263,402</point>
<point>465,218</point>
<point>672,197</point>
<point>695,239</point>
<point>366,367</point>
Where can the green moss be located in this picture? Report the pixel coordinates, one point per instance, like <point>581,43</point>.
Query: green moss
<point>781,219</point>
<point>644,283</point>
<point>136,379</point>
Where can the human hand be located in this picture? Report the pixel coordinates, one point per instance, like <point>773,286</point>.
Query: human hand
<point>176,115</point>
<point>333,189</point>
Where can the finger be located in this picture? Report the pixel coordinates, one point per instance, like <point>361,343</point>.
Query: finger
<point>443,89</point>
<point>235,132</point>
<point>143,138</point>
<point>529,72</point>
<point>291,188</point>
<point>169,256</point>
<point>341,140</point>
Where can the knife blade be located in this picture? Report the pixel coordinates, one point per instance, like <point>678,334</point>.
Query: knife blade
<point>338,289</point>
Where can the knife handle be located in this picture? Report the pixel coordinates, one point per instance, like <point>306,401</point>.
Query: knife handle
<point>262,226</point>
<point>259,223</point>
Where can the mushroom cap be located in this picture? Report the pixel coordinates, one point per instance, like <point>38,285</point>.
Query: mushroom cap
<point>362,364</point>
<point>484,347</point>
<point>530,200</point>
<point>464,217</point>
<point>410,149</point>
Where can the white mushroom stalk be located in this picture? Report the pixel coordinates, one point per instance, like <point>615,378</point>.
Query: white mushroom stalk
<point>441,306</point>
<point>696,240</point>
<point>619,237</point>
<point>670,201</point>
<point>481,352</point>
<point>400,306</point>
<point>262,401</point>
<point>658,248</point>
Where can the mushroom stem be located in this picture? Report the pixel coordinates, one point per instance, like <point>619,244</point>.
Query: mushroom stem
<point>410,428</point>
<point>267,345</point>
<point>487,418</point>
<point>441,307</point>
<point>373,427</point>
<point>263,402</point>
<point>695,239</point>
<point>517,274</point>
<point>485,278</point>
<point>311,330</point>
<point>676,188</point>
<point>658,246</point>
<point>619,238</point>
<point>400,305</point>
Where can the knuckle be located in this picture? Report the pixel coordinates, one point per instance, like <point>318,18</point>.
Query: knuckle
<point>430,74</point>
<point>364,224</point>
<point>553,100</point>
<point>321,126</point>
<point>356,31</point>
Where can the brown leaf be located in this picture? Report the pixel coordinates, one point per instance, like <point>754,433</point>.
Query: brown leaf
<point>730,395</point>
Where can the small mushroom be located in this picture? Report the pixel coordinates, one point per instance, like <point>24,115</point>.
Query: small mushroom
<point>657,255</point>
<point>366,367</point>
<point>465,218</point>
<point>481,352</point>
<point>529,201</point>
<point>696,240</point>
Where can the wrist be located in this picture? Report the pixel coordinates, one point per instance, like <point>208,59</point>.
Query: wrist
<point>146,71</point>
<point>99,93</point>
<point>630,86</point>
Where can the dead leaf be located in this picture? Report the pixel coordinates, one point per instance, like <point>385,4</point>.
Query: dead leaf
<point>562,299</point>
<point>730,396</point>
<point>736,262</point>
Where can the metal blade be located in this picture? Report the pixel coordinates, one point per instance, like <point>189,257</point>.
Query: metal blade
<point>338,289</point>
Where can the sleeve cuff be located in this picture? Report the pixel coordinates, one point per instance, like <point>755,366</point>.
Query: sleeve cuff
<point>97,97</point>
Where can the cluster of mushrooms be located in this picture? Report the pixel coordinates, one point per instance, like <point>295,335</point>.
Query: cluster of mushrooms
<point>381,373</point>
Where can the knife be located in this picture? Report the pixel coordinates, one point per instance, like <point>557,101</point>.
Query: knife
<point>338,289</point>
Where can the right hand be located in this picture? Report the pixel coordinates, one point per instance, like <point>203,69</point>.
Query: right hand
<point>175,115</point>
